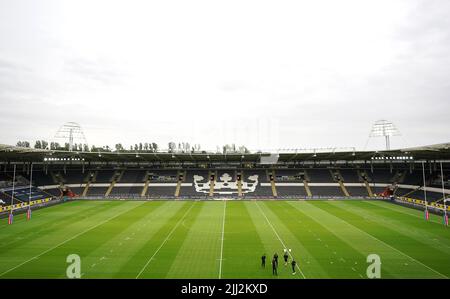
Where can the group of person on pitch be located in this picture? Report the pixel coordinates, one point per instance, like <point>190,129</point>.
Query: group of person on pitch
<point>275,262</point>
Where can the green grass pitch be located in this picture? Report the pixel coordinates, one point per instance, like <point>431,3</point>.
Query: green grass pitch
<point>224,239</point>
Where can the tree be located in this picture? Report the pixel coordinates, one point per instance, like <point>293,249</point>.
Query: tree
<point>38,144</point>
<point>155,147</point>
<point>119,147</point>
<point>172,147</point>
<point>23,144</point>
<point>243,150</point>
<point>55,145</point>
<point>44,144</point>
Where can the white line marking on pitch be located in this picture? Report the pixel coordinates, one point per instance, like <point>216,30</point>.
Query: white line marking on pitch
<point>223,233</point>
<point>64,242</point>
<point>164,242</point>
<point>399,251</point>
<point>278,236</point>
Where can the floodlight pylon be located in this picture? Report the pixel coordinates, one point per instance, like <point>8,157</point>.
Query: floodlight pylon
<point>70,132</point>
<point>386,129</point>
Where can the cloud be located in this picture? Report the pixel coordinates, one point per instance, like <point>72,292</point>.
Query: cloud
<point>96,70</point>
<point>12,67</point>
<point>323,72</point>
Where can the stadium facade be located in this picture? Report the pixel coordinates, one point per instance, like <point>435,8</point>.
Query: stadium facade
<point>418,176</point>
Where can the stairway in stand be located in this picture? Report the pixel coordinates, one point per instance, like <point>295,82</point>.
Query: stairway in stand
<point>212,180</point>
<point>271,176</point>
<point>116,178</point>
<point>90,178</point>
<point>181,175</point>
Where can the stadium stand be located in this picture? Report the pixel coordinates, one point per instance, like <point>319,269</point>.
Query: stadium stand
<point>189,176</point>
<point>291,191</point>
<point>357,191</point>
<point>350,175</point>
<point>380,175</point>
<point>319,175</point>
<point>23,193</point>
<point>133,176</point>
<point>104,176</point>
<point>255,182</point>
<point>326,191</point>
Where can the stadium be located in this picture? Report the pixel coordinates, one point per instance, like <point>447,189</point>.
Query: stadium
<point>213,215</point>
<point>224,148</point>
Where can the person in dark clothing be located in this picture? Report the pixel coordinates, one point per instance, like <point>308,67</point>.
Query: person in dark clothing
<point>286,257</point>
<point>275,257</point>
<point>293,264</point>
<point>263,260</point>
<point>274,267</point>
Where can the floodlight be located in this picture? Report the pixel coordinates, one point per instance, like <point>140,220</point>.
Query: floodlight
<point>384,128</point>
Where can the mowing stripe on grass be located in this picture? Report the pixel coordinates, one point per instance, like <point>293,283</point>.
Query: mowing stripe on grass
<point>421,242</point>
<point>221,244</point>
<point>64,242</point>
<point>164,242</point>
<point>41,218</point>
<point>391,247</point>
<point>194,249</point>
<point>244,245</point>
<point>40,227</point>
<point>337,256</point>
<point>54,232</point>
<point>113,249</point>
<point>410,211</point>
<point>360,242</point>
<point>319,232</point>
<point>419,230</point>
<point>278,236</point>
<point>149,237</point>
<point>21,218</point>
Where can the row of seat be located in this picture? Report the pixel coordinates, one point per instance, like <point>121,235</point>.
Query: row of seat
<point>77,180</point>
<point>313,175</point>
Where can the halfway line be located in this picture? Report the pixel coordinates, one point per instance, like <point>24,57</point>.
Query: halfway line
<point>223,233</point>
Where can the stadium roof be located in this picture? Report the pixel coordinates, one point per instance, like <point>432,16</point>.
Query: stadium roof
<point>22,154</point>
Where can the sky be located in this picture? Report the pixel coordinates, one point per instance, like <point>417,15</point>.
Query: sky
<point>267,74</point>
